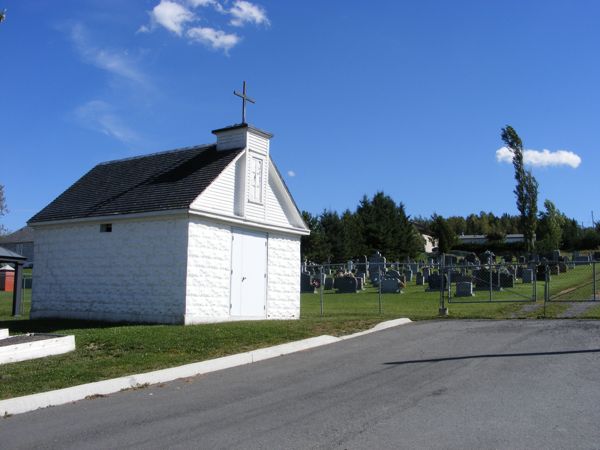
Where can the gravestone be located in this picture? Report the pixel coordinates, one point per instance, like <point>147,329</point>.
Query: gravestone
<point>350,266</point>
<point>362,275</point>
<point>435,282</point>
<point>374,279</point>
<point>582,260</point>
<point>328,283</point>
<point>408,274</point>
<point>527,276</point>
<point>464,289</point>
<point>507,280</point>
<point>345,285</point>
<point>393,274</point>
<point>540,274</point>
<point>377,263</point>
<point>359,284</point>
<point>597,256</point>
<point>390,286</point>
<point>562,267</point>
<point>554,269</point>
<point>306,283</point>
<point>426,272</point>
<point>420,279</point>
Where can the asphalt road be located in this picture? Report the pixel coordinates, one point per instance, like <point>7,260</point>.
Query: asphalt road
<point>450,384</point>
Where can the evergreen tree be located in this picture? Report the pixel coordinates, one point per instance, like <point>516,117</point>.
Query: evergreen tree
<point>313,247</point>
<point>442,231</point>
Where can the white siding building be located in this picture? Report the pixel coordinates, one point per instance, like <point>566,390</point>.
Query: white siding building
<point>200,234</point>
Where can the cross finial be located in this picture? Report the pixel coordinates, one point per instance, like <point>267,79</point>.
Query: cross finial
<point>245,99</point>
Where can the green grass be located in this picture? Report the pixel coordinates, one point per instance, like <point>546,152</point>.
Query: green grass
<point>108,350</point>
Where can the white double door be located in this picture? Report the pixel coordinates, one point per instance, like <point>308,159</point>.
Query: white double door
<point>248,274</point>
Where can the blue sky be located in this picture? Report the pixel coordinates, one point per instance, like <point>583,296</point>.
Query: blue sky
<point>407,97</point>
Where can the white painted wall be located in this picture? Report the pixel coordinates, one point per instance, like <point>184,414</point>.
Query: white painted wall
<point>275,210</point>
<point>209,271</point>
<point>135,273</point>
<point>283,277</point>
<point>220,195</point>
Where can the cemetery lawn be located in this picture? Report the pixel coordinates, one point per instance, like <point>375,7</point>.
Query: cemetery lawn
<point>111,350</point>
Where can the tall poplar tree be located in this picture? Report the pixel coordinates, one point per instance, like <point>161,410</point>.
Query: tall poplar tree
<point>526,190</point>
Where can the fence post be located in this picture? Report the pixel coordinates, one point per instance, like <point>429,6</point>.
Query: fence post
<point>379,278</point>
<point>594,279</point>
<point>322,287</point>
<point>443,310</point>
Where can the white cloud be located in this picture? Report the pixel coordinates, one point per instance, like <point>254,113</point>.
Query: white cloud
<point>181,17</point>
<point>291,173</point>
<point>173,16</point>
<point>99,116</point>
<point>246,12</point>
<point>115,62</point>
<point>543,158</point>
<point>202,3</point>
<point>216,39</point>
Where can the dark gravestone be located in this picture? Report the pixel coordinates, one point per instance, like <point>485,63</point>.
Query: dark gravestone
<point>540,274</point>
<point>346,285</point>
<point>390,286</point>
<point>408,274</point>
<point>420,279</point>
<point>562,267</point>
<point>435,281</point>
<point>393,274</point>
<point>360,284</point>
<point>306,283</point>
<point>464,289</point>
<point>426,272</point>
<point>554,269</point>
<point>507,280</point>
<point>328,283</point>
<point>597,256</point>
<point>527,276</point>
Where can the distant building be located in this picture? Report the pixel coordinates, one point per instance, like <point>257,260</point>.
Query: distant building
<point>21,242</point>
<point>482,239</point>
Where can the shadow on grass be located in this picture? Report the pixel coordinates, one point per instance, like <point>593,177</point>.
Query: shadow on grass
<point>492,355</point>
<point>57,325</point>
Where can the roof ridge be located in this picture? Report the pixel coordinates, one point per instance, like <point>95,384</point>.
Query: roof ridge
<point>148,155</point>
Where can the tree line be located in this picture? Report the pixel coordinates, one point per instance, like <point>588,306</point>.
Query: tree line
<point>379,224</point>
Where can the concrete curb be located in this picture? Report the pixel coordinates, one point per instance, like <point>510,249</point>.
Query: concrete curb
<point>27,403</point>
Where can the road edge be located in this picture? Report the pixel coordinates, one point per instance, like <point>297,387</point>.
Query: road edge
<point>27,403</point>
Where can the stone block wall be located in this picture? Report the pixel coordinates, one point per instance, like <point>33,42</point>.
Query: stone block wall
<point>136,273</point>
<point>208,271</point>
<point>283,277</point>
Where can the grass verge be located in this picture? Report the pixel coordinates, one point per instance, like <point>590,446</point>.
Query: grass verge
<point>107,350</point>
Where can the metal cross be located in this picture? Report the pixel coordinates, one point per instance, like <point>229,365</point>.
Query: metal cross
<point>245,99</point>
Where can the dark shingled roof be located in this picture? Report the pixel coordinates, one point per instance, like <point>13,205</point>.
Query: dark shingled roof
<point>157,182</point>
